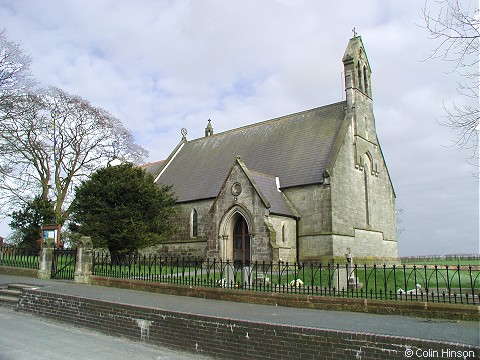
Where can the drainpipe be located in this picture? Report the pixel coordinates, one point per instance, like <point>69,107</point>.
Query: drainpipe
<point>297,240</point>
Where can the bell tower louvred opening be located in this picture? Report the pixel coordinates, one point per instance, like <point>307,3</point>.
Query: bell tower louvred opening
<point>209,129</point>
<point>357,72</point>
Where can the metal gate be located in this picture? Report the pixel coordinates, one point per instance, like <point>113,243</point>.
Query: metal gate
<point>63,264</point>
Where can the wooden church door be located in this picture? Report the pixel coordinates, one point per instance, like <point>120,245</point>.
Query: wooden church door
<point>241,243</point>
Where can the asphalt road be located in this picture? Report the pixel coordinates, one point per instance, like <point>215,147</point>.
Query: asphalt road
<point>26,337</point>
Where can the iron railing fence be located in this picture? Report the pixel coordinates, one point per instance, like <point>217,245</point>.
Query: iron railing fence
<point>18,257</point>
<point>431,283</point>
<point>63,264</point>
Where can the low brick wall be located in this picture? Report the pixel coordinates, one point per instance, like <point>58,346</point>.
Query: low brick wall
<point>227,338</point>
<point>382,307</point>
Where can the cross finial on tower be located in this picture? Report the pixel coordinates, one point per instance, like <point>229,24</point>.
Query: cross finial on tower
<point>354,32</point>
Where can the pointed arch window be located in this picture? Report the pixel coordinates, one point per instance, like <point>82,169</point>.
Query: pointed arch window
<point>367,207</point>
<point>365,79</point>
<point>368,160</point>
<point>359,76</point>
<point>194,223</point>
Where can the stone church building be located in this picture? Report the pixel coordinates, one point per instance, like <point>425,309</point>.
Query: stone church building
<point>310,186</point>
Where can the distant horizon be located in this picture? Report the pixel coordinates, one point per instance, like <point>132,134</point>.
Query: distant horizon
<point>446,255</point>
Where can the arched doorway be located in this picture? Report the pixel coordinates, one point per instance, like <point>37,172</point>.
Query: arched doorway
<point>241,243</point>
<point>236,233</point>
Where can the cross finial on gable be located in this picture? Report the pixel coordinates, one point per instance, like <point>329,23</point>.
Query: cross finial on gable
<point>354,32</point>
<point>209,128</point>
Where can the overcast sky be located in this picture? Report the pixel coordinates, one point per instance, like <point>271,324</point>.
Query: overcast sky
<point>160,66</point>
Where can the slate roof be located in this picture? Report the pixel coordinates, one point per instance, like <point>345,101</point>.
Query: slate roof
<point>267,185</point>
<point>153,167</point>
<point>295,148</point>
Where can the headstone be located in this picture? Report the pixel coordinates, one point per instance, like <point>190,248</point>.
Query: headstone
<point>344,276</point>
<point>352,282</point>
<point>340,278</point>
<point>229,275</point>
<point>247,276</point>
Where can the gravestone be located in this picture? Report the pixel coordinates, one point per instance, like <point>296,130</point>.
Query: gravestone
<point>344,276</point>
<point>229,275</point>
<point>340,278</point>
<point>246,276</point>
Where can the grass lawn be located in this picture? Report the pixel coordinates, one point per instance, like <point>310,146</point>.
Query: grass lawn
<point>18,259</point>
<point>443,262</point>
<point>382,282</point>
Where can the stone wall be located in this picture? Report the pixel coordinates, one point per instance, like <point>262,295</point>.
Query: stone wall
<point>184,221</point>
<point>313,204</point>
<point>183,242</point>
<point>283,238</point>
<point>188,248</point>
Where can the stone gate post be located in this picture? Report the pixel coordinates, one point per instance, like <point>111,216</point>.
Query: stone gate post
<point>83,267</point>
<point>46,257</point>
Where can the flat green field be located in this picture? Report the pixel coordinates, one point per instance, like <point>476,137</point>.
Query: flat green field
<point>443,262</point>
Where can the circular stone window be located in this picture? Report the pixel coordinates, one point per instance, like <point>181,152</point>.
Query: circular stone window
<point>236,189</point>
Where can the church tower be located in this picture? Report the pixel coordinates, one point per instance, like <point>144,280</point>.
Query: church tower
<point>358,89</point>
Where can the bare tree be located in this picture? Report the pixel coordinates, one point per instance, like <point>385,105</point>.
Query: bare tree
<point>455,26</point>
<point>15,78</point>
<point>15,75</point>
<point>53,141</point>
